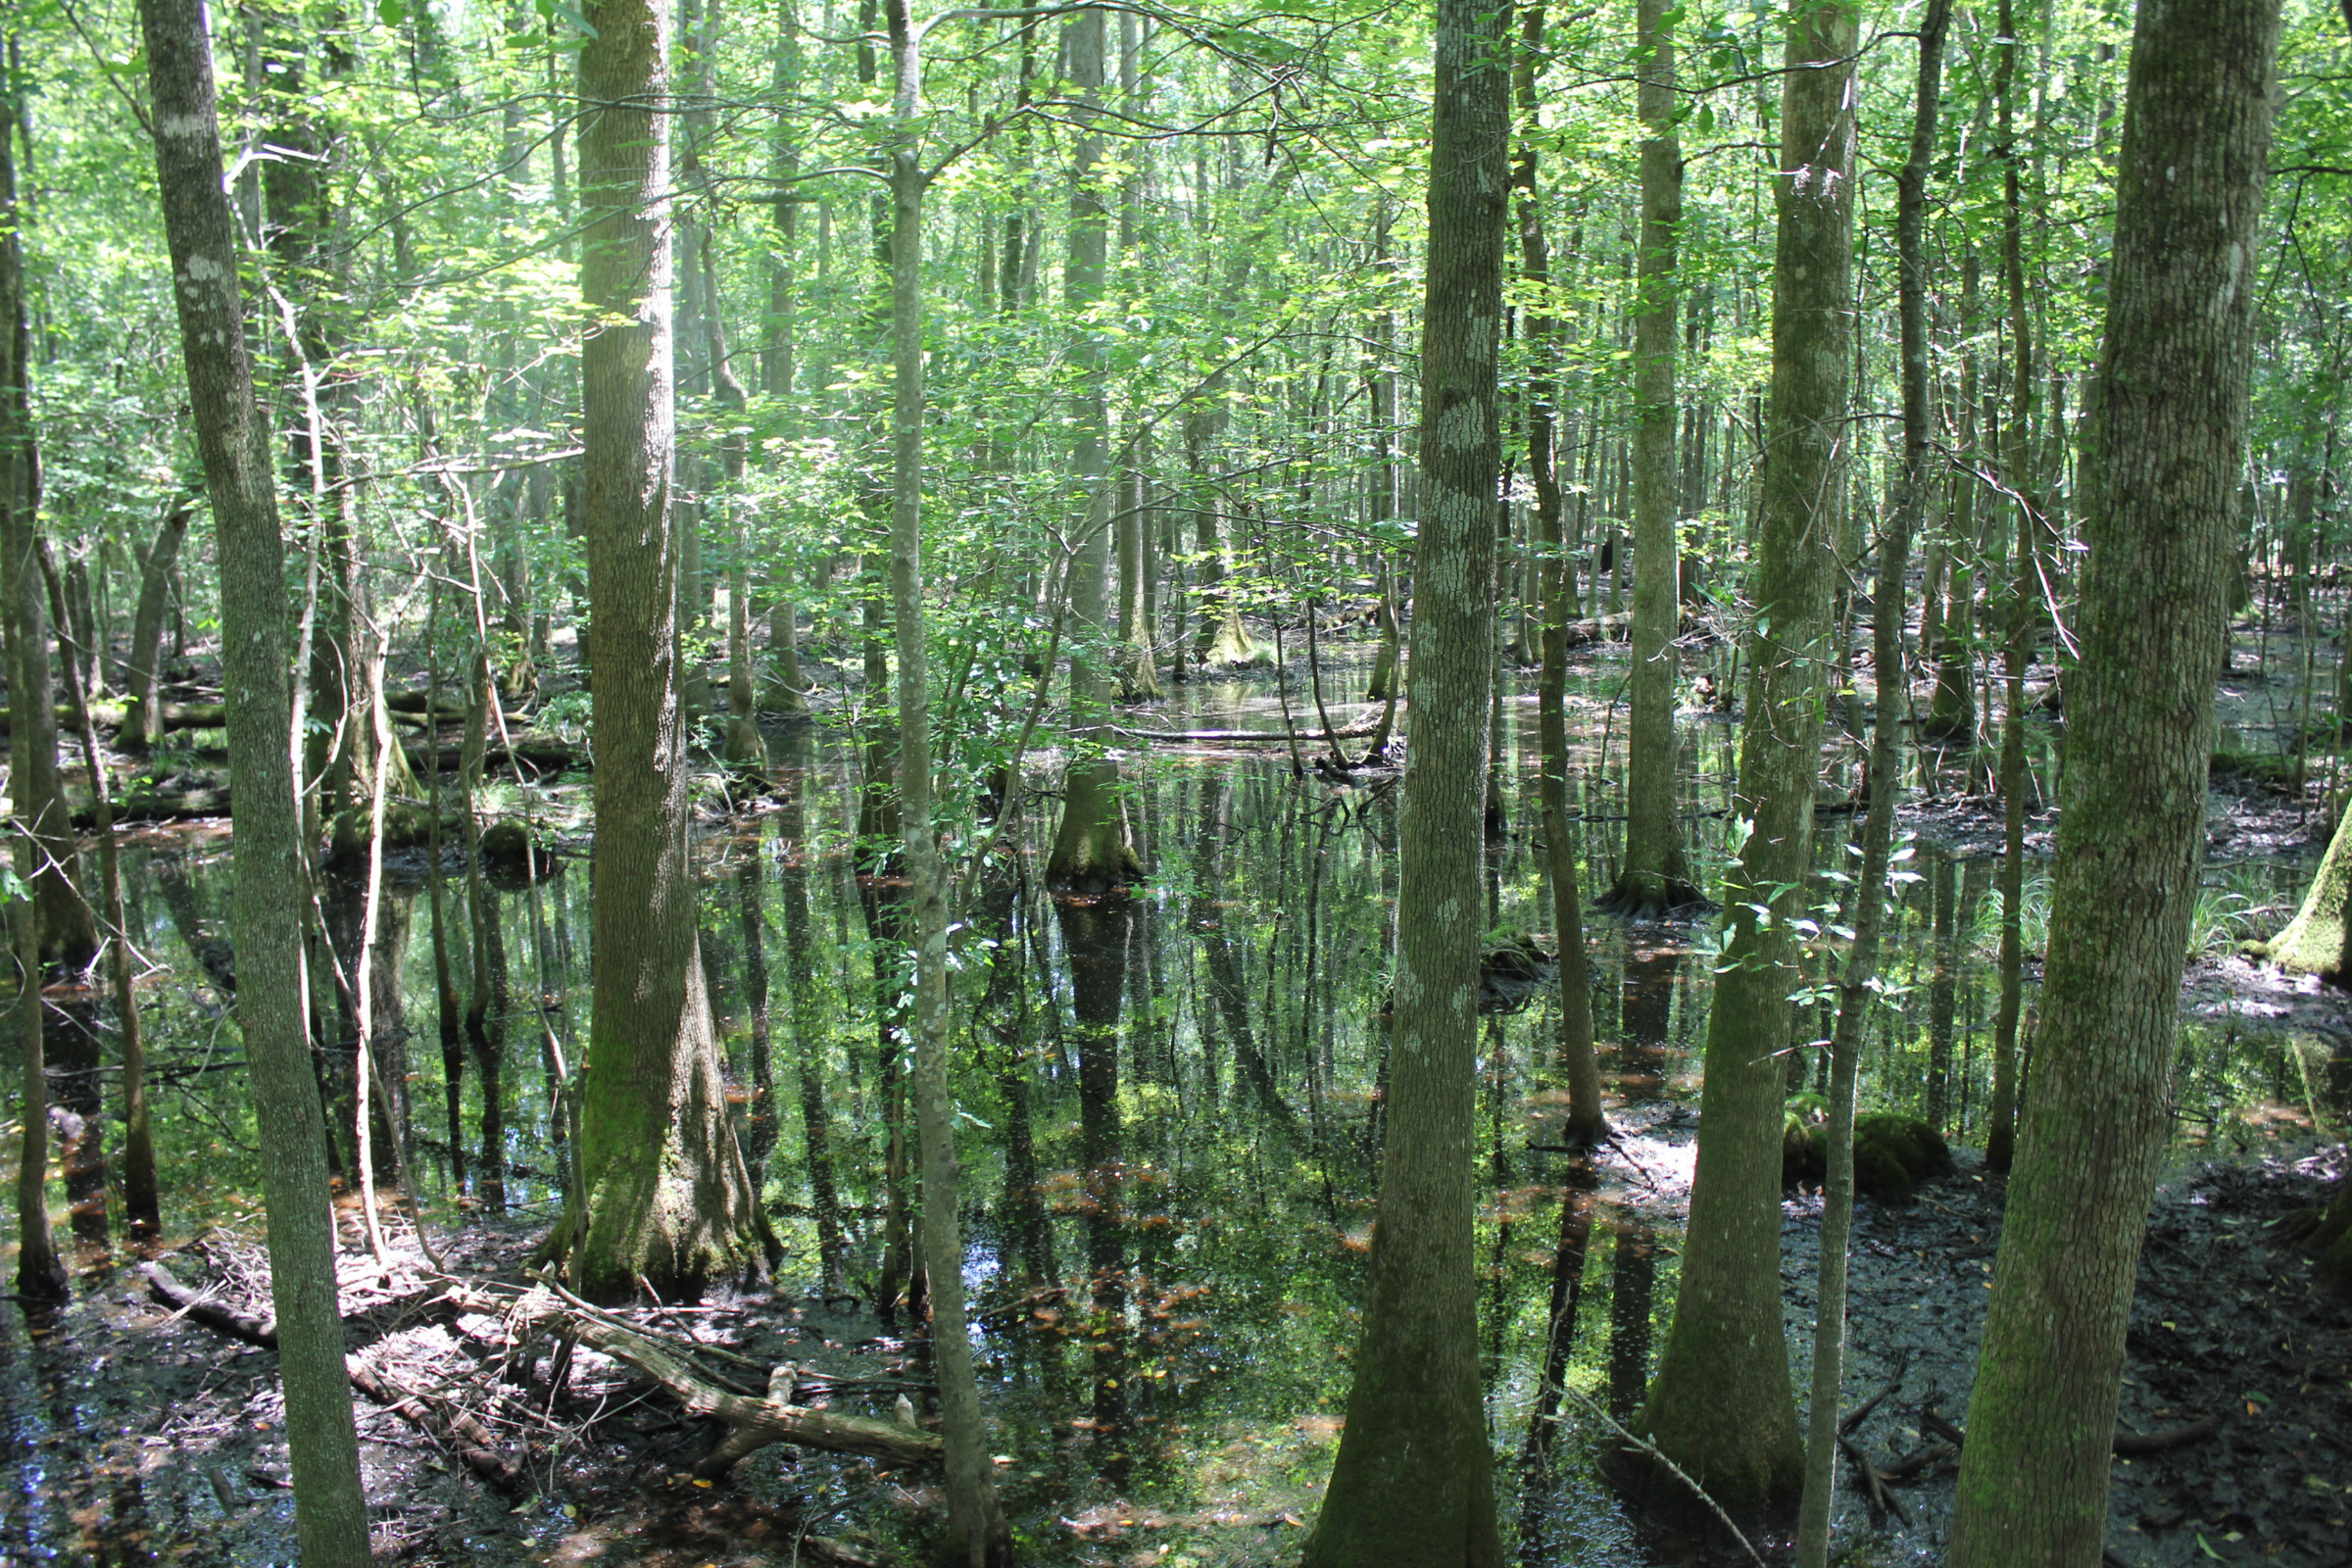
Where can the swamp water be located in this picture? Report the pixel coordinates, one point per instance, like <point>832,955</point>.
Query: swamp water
<point>1171,1122</point>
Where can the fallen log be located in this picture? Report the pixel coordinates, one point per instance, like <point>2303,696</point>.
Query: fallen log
<point>751,1423</point>
<point>544,752</point>
<point>198,1307</point>
<point>162,805</point>
<point>1230,737</point>
<point>460,1428</point>
<point>176,716</point>
<point>1611,629</point>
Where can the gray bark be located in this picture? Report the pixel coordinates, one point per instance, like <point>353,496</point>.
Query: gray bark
<point>330,1510</point>
<point>2162,465</point>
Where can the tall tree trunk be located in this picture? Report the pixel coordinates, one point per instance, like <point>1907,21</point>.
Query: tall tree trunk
<point>330,1507</point>
<point>2161,465</point>
<point>68,931</point>
<point>1721,1404</point>
<point>1586,1120</point>
<point>1092,849</point>
<point>2025,589</point>
<point>40,1275</point>
<point>667,1193</point>
<point>38,803</point>
<point>1380,376</point>
<point>976,1529</point>
<point>1858,989</point>
<point>1413,1482</point>
<point>1655,877</point>
<point>744,745</point>
<point>786,690</point>
<point>1138,666</point>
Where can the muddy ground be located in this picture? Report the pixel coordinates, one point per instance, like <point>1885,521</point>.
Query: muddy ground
<point>2226,1323</point>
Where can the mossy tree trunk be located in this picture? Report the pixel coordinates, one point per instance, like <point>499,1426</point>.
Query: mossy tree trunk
<point>667,1193</point>
<point>40,1275</point>
<point>1413,1482</point>
<point>2162,464</point>
<point>1721,1406</point>
<point>2316,940</point>
<point>330,1509</point>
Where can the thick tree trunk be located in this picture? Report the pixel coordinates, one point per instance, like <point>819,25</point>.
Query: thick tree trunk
<point>1655,877</point>
<point>1721,1405</point>
<point>330,1510</point>
<point>1413,1482</point>
<point>2162,466</point>
<point>666,1195</point>
<point>1858,990</point>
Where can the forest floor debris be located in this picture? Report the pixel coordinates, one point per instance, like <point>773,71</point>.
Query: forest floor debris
<point>162,1431</point>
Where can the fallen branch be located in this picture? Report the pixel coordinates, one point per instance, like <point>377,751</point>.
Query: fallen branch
<point>1592,1407</point>
<point>1876,1483</point>
<point>1861,1413</point>
<point>753,1423</point>
<point>459,1428</point>
<point>198,1307</point>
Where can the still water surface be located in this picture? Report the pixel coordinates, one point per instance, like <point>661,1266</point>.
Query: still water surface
<point>1171,1113</point>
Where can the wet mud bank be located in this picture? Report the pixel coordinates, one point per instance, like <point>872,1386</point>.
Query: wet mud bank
<point>2238,1376</point>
